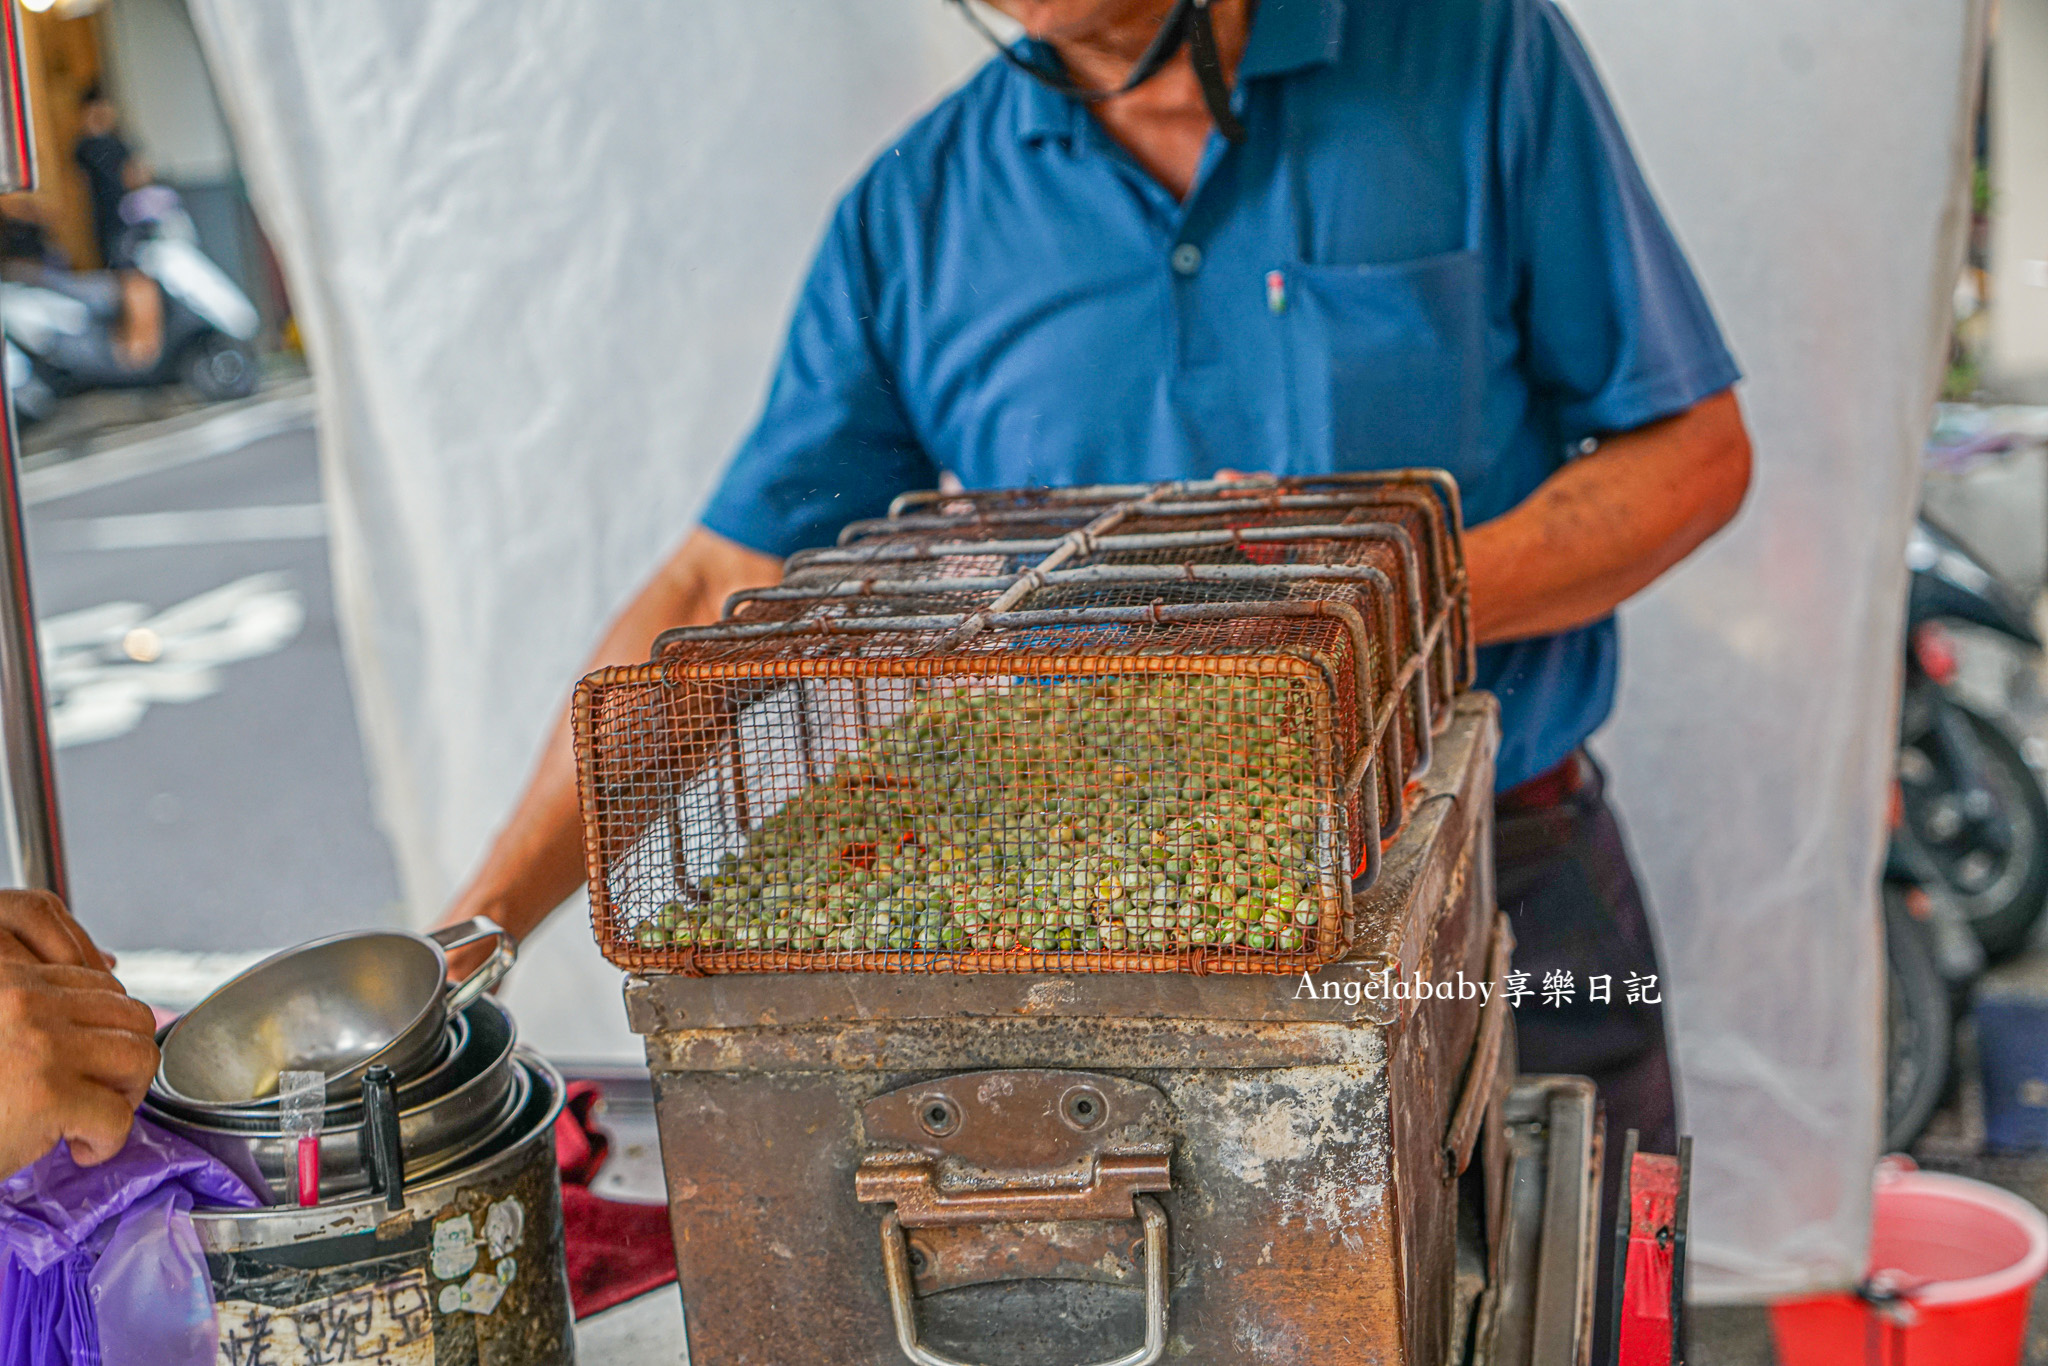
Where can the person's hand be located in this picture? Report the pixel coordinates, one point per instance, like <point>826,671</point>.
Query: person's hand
<point>36,928</point>
<point>76,1051</point>
<point>76,1056</point>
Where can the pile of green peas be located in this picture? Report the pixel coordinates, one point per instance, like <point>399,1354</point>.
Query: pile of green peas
<point>1140,812</point>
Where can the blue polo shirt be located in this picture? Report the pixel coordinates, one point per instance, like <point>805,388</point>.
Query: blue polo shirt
<point>1433,248</point>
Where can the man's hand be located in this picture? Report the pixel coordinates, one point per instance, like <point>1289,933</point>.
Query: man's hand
<point>76,1051</point>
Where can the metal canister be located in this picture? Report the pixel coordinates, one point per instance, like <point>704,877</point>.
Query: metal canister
<point>468,1271</point>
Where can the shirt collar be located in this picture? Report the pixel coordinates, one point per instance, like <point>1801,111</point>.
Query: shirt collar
<point>1287,35</point>
<point>1042,112</point>
<point>1291,35</point>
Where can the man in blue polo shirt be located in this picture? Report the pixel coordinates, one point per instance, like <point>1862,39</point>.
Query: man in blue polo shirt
<point>1163,238</point>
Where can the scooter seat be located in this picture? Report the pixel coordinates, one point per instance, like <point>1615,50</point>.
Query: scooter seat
<point>98,290</point>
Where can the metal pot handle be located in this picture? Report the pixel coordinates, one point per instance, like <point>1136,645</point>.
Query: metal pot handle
<point>476,928</point>
<point>902,1304</point>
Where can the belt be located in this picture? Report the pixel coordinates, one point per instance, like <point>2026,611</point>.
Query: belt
<point>1546,790</point>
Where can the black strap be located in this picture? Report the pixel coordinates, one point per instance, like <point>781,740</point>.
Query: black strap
<point>1209,71</point>
<point>1188,22</point>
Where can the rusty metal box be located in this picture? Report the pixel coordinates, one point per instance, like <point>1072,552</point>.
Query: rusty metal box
<point>1131,1167</point>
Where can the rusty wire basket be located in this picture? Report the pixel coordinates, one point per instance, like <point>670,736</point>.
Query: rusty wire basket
<point>1132,728</point>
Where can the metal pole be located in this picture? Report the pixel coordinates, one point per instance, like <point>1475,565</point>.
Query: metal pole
<point>28,776</point>
<point>17,137</point>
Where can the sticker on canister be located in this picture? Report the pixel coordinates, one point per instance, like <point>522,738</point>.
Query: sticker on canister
<point>503,1223</point>
<point>454,1247</point>
<point>390,1323</point>
<point>477,1295</point>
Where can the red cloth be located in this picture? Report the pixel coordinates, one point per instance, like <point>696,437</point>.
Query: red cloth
<point>615,1251</point>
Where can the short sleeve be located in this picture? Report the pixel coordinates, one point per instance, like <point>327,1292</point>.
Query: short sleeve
<point>1617,331</point>
<point>833,444</point>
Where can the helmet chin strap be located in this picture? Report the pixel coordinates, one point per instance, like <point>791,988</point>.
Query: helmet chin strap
<point>1187,22</point>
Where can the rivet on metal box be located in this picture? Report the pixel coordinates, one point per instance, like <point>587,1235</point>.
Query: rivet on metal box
<point>1126,728</point>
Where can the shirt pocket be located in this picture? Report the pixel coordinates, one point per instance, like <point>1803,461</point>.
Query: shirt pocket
<point>1388,363</point>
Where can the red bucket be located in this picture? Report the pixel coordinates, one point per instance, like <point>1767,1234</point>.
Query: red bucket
<point>1952,1266</point>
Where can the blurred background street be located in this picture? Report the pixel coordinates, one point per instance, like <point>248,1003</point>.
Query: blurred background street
<point>213,789</point>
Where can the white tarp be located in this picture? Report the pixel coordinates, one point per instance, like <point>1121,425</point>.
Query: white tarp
<point>542,252</point>
<point>1811,156</point>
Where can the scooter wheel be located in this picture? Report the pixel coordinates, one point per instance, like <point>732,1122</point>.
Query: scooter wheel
<point>34,400</point>
<point>1918,1033</point>
<point>2006,896</point>
<point>219,367</point>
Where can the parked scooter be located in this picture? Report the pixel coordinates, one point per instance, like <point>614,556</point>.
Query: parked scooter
<point>22,383</point>
<point>64,323</point>
<point>1966,872</point>
<point>1972,803</point>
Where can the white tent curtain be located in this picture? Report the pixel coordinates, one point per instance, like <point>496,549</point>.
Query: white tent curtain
<point>1812,157</point>
<point>542,252</point>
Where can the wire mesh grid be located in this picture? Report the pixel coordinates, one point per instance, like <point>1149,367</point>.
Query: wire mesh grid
<point>1010,737</point>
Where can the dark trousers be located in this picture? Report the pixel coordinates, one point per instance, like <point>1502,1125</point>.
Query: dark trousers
<point>1565,882</point>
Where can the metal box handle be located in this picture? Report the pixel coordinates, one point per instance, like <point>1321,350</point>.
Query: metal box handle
<point>902,1305</point>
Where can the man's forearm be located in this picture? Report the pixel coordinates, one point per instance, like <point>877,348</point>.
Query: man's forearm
<point>1605,526</point>
<point>536,862</point>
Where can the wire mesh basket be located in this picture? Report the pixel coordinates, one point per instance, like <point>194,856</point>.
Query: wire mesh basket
<point>1138,728</point>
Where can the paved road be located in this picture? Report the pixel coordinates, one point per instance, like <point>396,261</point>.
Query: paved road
<point>210,773</point>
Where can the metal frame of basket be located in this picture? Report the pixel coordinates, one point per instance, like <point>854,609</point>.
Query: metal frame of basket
<point>1184,754</point>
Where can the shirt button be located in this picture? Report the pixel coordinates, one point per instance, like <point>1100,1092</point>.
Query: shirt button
<point>1186,259</point>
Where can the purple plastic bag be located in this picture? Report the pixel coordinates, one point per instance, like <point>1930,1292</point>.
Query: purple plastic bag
<point>46,1318</point>
<point>150,1292</point>
<point>102,1263</point>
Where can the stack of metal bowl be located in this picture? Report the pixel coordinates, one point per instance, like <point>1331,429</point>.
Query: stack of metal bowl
<point>400,1048</point>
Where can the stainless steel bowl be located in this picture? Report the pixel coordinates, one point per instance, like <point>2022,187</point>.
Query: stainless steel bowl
<point>336,1006</point>
<point>263,1114</point>
<point>431,1133</point>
